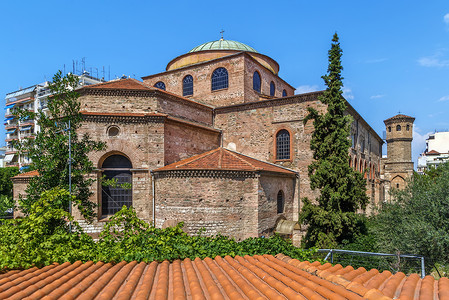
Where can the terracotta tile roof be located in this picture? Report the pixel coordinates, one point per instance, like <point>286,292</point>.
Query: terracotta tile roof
<point>27,174</point>
<point>121,84</point>
<point>224,159</point>
<point>249,277</point>
<point>433,152</point>
<point>398,117</point>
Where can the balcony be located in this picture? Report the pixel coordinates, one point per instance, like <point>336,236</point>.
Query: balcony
<point>13,138</point>
<point>27,123</point>
<point>12,164</point>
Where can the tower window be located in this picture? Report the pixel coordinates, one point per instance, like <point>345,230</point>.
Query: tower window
<point>280,202</point>
<point>408,127</point>
<point>389,128</point>
<point>187,86</point>
<point>219,79</point>
<point>256,82</point>
<point>272,89</point>
<point>398,128</point>
<point>283,144</point>
<point>160,85</point>
<point>284,93</point>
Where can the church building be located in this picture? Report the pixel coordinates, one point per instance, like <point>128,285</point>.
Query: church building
<point>217,141</point>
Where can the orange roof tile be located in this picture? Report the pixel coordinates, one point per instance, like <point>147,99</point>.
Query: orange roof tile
<point>224,159</point>
<point>27,174</point>
<point>248,277</point>
<point>433,152</point>
<point>122,84</point>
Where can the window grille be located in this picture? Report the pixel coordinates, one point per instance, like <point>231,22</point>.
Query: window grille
<point>272,89</point>
<point>160,85</point>
<point>113,197</point>
<point>219,79</point>
<point>187,86</point>
<point>283,145</point>
<point>256,82</point>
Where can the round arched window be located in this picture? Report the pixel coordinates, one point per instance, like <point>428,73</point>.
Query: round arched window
<point>398,128</point>
<point>280,202</point>
<point>160,85</point>
<point>113,131</point>
<point>219,79</point>
<point>257,82</point>
<point>272,89</point>
<point>187,86</point>
<point>284,93</point>
<point>283,144</point>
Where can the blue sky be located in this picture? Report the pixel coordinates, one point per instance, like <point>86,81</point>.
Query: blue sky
<point>395,53</point>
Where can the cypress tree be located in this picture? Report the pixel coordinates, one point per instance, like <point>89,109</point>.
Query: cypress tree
<point>332,218</point>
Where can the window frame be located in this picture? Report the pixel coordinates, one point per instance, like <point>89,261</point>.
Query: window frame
<point>282,206</point>
<point>257,83</point>
<point>272,89</point>
<point>212,80</point>
<point>160,81</point>
<point>184,87</point>
<point>289,145</point>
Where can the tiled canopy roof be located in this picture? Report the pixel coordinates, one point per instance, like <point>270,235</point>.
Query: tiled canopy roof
<point>224,159</point>
<point>27,174</point>
<point>249,277</point>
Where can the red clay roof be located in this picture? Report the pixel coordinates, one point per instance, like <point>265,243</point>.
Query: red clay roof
<point>433,152</point>
<point>27,174</point>
<point>224,159</point>
<point>122,84</point>
<point>249,277</point>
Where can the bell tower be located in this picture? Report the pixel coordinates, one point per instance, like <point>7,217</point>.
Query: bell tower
<point>399,164</point>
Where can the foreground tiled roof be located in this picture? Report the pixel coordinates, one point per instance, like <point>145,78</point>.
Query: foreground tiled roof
<point>433,152</point>
<point>27,174</point>
<point>122,84</point>
<point>249,277</point>
<point>224,159</point>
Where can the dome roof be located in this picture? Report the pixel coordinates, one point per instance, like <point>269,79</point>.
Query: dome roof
<point>223,45</point>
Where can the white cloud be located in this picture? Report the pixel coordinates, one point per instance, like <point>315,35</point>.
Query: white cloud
<point>444,98</point>
<point>375,61</point>
<point>302,89</point>
<point>347,93</point>
<point>435,60</point>
<point>446,18</point>
<point>377,96</point>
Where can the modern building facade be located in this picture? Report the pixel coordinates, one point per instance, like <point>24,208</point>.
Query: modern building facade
<point>217,140</point>
<point>436,153</point>
<point>32,98</point>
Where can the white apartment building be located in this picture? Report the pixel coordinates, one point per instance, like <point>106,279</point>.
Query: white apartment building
<point>437,151</point>
<point>33,98</point>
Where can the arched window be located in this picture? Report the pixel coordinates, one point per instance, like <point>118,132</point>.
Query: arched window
<point>283,144</point>
<point>284,93</point>
<point>118,192</point>
<point>389,128</point>
<point>272,89</point>
<point>187,86</point>
<point>160,85</point>
<point>398,127</point>
<point>219,79</point>
<point>280,202</point>
<point>256,82</point>
<point>408,128</point>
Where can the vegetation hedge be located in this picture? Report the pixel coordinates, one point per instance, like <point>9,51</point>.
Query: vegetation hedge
<point>42,237</point>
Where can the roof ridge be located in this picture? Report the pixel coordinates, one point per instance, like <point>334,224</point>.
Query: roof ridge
<point>235,154</point>
<point>199,156</point>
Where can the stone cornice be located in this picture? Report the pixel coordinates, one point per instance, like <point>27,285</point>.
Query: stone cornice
<point>140,119</point>
<point>399,140</point>
<point>205,173</point>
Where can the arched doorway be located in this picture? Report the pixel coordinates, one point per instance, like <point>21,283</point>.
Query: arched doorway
<point>116,169</point>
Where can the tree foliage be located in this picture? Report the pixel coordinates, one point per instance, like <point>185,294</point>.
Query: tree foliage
<point>6,197</point>
<point>49,149</point>
<point>416,221</point>
<point>42,237</point>
<point>342,190</point>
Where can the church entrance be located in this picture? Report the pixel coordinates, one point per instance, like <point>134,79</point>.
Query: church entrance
<point>118,178</point>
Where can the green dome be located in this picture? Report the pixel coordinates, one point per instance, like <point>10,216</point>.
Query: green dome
<point>223,45</point>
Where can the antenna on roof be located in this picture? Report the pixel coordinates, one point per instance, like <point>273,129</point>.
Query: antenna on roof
<point>222,31</point>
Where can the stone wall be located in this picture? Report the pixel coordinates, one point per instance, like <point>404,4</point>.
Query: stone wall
<point>218,203</point>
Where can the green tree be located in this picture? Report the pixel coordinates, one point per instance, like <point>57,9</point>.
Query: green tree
<point>49,149</point>
<point>6,200</point>
<point>417,220</point>
<point>343,191</point>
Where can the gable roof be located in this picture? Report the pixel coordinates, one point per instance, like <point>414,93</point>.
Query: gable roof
<point>433,152</point>
<point>122,84</point>
<point>27,174</point>
<point>253,277</point>
<point>226,160</point>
